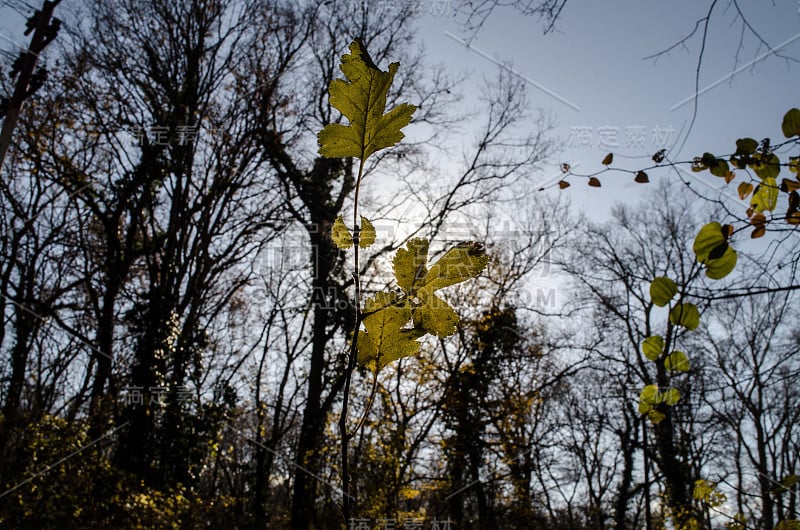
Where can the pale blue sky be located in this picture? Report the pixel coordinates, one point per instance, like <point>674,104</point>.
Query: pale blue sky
<point>594,61</point>
<point>601,89</point>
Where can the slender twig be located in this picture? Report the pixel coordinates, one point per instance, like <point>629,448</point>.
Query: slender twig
<point>351,361</point>
<point>370,401</point>
<point>697,78</point>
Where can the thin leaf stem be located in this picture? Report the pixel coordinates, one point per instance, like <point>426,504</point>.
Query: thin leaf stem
<point>351,360</point>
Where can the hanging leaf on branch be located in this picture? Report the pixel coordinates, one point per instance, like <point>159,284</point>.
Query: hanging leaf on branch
<point>712,250</point>
<point>653,347</point>
<point>750,155</point>
<point>662,289</point>
<point>686,315</point>
<point>791,123</point>
<point>677,362</point>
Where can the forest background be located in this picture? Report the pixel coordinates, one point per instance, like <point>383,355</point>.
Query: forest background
<point>175,314</point>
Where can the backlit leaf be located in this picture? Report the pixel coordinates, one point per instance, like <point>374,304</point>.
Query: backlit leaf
<point>670,397</point>
<point>746,146</point>
<point>649,395</point>
<point>765,196</point>
<point>686,315</point>
<point>653,347</point>
<point>739,162</point>
<point>435,316</point>
<point>462,262</point>
<point>744,189</point>
<point>563,184</point>
<point>662,289</point>
<point>341,235</point>
<point>791,123</point>
<point>641,177</point>
<point>362,100</point>
<point>766,166</point>
<point>411,265</point>
<point>594,182</point>
<point>698,164</point>
<point>385,340</point>
<point>718,268</point>
<point>708,238</point>
<point>703,490</point>
<point>708,493</point>
<point>366,236</point>
<point>708,159</point>
<point>608,159</point>
<point>719,168</point>
<point>677,362</point>
<point>758,231</point>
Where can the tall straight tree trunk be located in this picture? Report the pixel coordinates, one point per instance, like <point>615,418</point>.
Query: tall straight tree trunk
<point>98,412</point>
<point>311,430</point>
<point>627,441</point>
